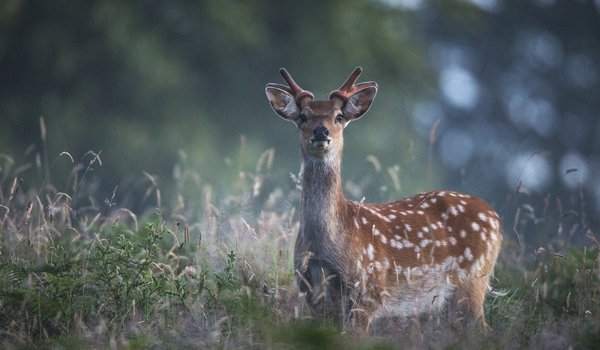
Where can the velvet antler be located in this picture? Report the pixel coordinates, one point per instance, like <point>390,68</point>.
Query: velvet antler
<point>348,88</point>
<point>294,89</point>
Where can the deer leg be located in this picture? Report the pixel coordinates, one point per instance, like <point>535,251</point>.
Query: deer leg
<point>470,299</point>
<point>359,321</point>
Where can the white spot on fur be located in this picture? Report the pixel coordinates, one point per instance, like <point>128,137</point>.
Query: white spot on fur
<point>468,255</point>
<point>394,243</point>
<point>475,226</point>
<point>375,212</point>
<point>482,217</point>
<point>383,239</point>
<point>453,211</point>
<point>463,233</point>
<point>375,231</point>
<point>386,263</point>
<point>370,252</point>
<point>407,244</point>
<point>452,240</point>
<point>494,223</point>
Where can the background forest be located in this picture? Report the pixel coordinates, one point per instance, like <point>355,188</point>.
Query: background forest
<point>141,107</point>
<point>513,85</point>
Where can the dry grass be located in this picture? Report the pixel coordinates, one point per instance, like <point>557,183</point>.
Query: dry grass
<point>217,271</point>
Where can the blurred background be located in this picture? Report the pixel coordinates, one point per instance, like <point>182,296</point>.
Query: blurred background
<point>496,98</point>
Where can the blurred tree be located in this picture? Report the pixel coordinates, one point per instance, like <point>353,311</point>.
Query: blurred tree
<point>139,80</point>
<point>518,96</point>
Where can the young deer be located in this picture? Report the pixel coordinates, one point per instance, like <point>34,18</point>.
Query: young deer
<point>358,262</point>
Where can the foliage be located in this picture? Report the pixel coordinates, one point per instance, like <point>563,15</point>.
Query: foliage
<point>73,278</point>
<point>117,279</point>
<point>183,76</point>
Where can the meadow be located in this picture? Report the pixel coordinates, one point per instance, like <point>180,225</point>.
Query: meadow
<point>214,269</point>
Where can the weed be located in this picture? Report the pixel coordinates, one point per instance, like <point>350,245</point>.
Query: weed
<point>217,272</point>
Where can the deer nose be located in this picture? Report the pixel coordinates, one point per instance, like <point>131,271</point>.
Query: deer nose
<point>320,133</point>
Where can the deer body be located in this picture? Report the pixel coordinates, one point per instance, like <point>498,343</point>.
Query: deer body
<point>358,262</point>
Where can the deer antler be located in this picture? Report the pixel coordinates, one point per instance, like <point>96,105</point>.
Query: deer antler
<point>348,88</point>
<point>294,89</point>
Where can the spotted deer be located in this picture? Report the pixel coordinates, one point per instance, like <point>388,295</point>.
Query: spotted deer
<point>357,262</point>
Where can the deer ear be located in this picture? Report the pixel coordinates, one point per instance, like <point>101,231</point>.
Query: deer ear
<point>283,103</point>
<point>359,103</point>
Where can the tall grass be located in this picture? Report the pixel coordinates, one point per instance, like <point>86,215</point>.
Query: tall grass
<point>76,271</point>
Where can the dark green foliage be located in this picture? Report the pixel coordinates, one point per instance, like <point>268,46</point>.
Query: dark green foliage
<point>311,335</point>
<point>117,278</point>
<point>132,274</point>
<point>227,279</point>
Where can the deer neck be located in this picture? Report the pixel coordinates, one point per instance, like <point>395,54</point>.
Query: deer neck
<point>323,202</point>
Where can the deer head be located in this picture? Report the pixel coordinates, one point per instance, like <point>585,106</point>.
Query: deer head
<point>321,123</point>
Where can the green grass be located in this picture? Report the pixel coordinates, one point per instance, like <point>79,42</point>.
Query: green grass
<point>217,272</point>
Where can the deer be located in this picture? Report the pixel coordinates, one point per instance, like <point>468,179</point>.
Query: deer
<point>356,262</point>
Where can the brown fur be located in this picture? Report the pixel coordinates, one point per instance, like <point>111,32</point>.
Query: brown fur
<point>357,262</point>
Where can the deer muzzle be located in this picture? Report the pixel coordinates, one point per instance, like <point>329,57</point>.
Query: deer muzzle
<point>320,137</point>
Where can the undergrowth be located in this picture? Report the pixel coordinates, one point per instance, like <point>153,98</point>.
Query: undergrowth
<point>217,272</point>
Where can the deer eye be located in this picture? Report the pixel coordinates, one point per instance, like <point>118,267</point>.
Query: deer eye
<point>340,118</point>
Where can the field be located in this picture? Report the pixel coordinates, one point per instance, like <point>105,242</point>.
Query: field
<point>215,270</point>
